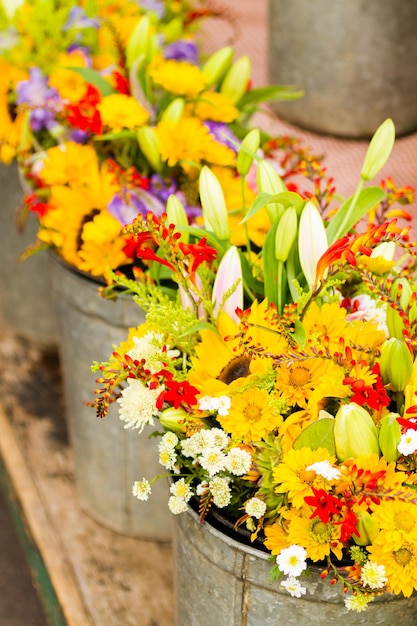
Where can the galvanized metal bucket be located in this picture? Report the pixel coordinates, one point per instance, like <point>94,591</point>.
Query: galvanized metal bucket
<point>355,60</point>
<point>107,458</point>
<point>26,302</point>
<point>221,581</point>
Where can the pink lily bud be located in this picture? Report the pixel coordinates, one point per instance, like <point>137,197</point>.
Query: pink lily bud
<point>228,285</point>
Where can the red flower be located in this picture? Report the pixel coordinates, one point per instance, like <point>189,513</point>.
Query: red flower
<point>176,393</point>
<point>122,84</point>
<point>85,115</point>
<point>326,504</point>
<point>198,253</point>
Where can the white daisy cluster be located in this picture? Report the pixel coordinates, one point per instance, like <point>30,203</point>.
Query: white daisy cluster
<point>137,404</point>
<point>325,469</point>
<point>255,507</point>
<point>221,405</point>
<point>181,494</point>
<point>167,452</point>
<point>150,347</point>
<point>292,562</point>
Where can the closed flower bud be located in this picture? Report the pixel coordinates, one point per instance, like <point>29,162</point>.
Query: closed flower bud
<point>173,419</point>
<point>174,111</point>
<point>286,234</point>
<point>379,150</point>
<point>236,81</point>
<point>213,204</point>
<point>217,65</point>
<point>355,433</point>
<point>176,215</point>
<point>245,158</point>
<point>268,181</point>
<point>389,437</point>
<point>396,363</point>
<point>139,41</point>
<point>367,527</point>
<point>149,145</point>
<point>312,241</point>
<point>229,282</point>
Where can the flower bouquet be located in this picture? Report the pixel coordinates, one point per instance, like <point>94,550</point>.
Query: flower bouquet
<point>281,377</point>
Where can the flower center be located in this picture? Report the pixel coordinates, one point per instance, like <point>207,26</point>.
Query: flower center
<point>299,376</point>
<point>404,521</point>
<point>307,476</point>
<point>404,555</point>
<point>252,413</point>
<point>236,368</point>
<point>320,531</point>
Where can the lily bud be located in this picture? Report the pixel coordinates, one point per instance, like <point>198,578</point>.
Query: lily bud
<point>312,241</point>
<point>213,204</point>
<point>172,419</point>
<point>176,215</point>
<point>139,41</point>
<point>229,275</point>
<point>367,527</point>
<point>174,111</point>
<point>149,144</point>
<point>236,81</point>
<point>355,433</point>
<point>286,234</point>
<point>268,181</point>
<point>245,159</point>
<point>396,363</point>
<point>379,150</point>
<point>389,437</point>
<point>217,65</point>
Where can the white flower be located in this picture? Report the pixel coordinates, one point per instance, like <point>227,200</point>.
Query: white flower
<point>137,404</point>
<point>220,438</point>
<point>168,458</point>
<point>373,575</point>
<point>197,443</point>
<point>177,505</point>
<point>238,461</point>
<point>359,602</point>
<point>408,442</point>
<point>181,489</point>
<point>221,404</point>
<point>224,404</point>
<point>213,460</point>
<point>149,347</point>
<point>168,441</point>
<point>294,587</point>
<point>255,507</point>
<point>292,561</point>
<point>206,403</point>
<point>324,469</point>
<point>220,491</point>
<point>141,489</point>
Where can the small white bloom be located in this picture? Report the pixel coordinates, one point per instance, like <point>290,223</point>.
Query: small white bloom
<point>168,441</point>
<point>206,403</point>
<point>197,443</point>
<point>293,586</point>
<point>358,603</point>
<point>221,404</point>
<point>213,460</point>
<point>324,469</point>
<point>137,404</point>
<point>238,461</point>
<point>224,404</point>
<point>177,505</point>
<point>255,507</point>
<point>220,438</point>
<point>181,489</point>
<point>292,561</point>
<point>168,458</point>
<point>220,491</point>
<point>141,489</point>
<point>408,442</point>
<point>373,575</point>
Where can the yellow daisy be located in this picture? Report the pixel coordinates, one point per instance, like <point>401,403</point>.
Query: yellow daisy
<point>397,518</point>
<point>399,559</point>
<point>297,382</point>
<point>251,416</point>
<point>68,164</point>
<point>69,84</point>
<point>292,477</point>
<point>276,538</point>
<point>178,77</point>
<point>102,245</point>
<point>119,111</point>
<point>213,106</point>
<point>318,538</point>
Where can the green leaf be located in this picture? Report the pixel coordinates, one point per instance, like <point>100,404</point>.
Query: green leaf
<point>255,286</point>
<point>299,335</point>
<point>269,94</point>
<point>319,434</point>
<point>348,216</point>
<point>123,134</point>
<point>93,77</point>
<point>270,266</point>
<point>261,200</point>
<point>286,198</point>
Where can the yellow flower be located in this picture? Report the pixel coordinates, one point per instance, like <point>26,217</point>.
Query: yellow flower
<point>68,164</point>
<point>296,383</point>
<point>69,84</point>
<point>188,141</point>
<point>251,416</point>
<point>214,106</point>
<point>276,538</point>
<point>318,538</point>
<point>399,559</point>
<point>102,245</point>
<point>397,518</point>
<point>292,477</point>
<point>119,111</point>
<point>178,77</point>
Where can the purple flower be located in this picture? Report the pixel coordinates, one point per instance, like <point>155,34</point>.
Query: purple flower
<point>162,189</point>
<point>222,133</point>
<point>40,98</point>
<point>156,6</point>
<point>77,18</point>
<point>182,50</point>
<point>80,136</point>
<point>128,204</point>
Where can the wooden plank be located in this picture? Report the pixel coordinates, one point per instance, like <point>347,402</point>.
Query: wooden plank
<point>55,579</point>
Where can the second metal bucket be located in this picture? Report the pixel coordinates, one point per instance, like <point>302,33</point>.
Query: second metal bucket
<point>107,458</point>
